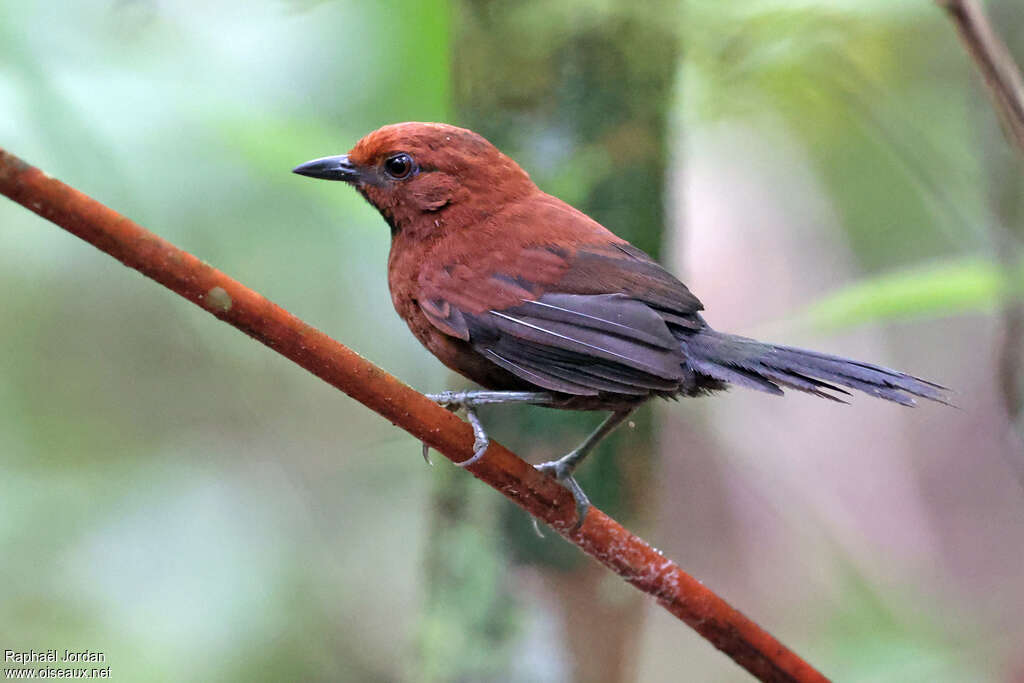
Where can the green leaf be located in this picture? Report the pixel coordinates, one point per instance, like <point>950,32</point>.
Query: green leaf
<point>933,291</point>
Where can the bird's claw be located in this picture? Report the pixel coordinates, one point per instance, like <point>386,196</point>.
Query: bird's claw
<point>426,453</point>
<point>463,400</point>
<point>479,448</point>
<point>480,441</point>
<point>536,528</point>
<point>563,474</point>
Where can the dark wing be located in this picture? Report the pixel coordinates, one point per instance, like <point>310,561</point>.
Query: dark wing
<point>580,320</point>
<point>621,267</point>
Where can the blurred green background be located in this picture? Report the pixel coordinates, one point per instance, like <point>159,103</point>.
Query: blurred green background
<point>826,174</point>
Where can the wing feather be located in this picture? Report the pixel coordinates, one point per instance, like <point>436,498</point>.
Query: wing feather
<point>577,320</point>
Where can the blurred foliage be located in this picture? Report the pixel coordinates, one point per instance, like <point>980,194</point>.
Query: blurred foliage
<point>892,635</point>
<point>933,290</point>
<point>185,501</point>
<point>179,497</point>
<point>833,77</point>
<point>470,618</point>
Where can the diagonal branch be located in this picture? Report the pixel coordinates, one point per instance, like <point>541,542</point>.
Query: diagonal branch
<point>994,61</point>
<point>600,537</point>
<point>1005,85</point>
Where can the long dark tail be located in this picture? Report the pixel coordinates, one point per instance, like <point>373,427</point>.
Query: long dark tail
<point>766,367</point>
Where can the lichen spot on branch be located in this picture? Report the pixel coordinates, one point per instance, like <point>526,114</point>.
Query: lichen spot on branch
<point>218,300</point>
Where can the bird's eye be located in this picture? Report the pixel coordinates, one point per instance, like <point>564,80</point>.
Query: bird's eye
<point>399,166</point>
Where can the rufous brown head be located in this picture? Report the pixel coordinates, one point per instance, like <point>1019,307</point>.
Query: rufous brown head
<point>416,171</point>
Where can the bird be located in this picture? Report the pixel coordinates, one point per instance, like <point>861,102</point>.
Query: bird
<point>540,304</point>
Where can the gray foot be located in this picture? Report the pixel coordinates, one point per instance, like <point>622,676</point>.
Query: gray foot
<point>562,471</point>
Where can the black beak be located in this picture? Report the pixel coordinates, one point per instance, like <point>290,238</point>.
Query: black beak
<point>329,168</point>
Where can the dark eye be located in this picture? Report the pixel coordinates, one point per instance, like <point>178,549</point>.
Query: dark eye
<point>399,166</point>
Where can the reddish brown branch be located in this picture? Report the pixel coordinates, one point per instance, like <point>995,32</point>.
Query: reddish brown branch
<point>601,537</point>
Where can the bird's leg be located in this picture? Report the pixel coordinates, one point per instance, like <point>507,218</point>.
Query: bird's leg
<point>469,400</point>
<point>563,468</point>
<point>456,400</point>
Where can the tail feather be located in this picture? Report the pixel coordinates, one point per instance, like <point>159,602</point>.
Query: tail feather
<point>766,367</point>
